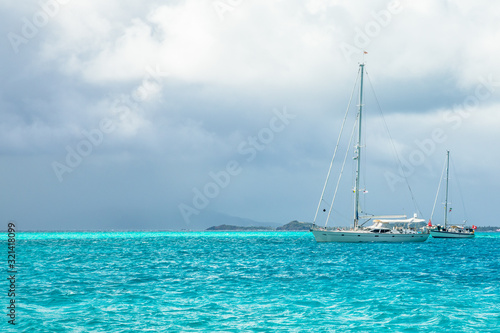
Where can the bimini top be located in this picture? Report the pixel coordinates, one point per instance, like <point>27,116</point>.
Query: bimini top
<point>397,219</point>
<point>410,220</point>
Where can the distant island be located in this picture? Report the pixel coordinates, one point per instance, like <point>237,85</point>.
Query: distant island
<point>290,226</point>
<point>487,229</point>
<point>300,226</point>
<point>296,226</point>
<point>226,227</point>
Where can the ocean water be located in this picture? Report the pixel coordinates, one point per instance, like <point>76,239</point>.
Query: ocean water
<point>252,282</point>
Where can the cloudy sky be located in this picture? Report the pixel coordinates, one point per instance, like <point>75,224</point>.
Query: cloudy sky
<point>180,114</point>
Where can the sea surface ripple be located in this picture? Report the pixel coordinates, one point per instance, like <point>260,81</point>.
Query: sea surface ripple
<point>253,282</point>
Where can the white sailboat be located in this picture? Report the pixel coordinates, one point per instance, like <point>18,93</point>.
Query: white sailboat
<point>384,228</point>
<point>449,231</point>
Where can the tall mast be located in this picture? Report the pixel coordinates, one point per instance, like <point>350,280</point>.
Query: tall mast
<point>358,151</point>
<point>446,197</point>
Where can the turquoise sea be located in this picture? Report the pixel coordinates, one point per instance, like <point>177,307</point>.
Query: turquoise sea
<point>251,282</point>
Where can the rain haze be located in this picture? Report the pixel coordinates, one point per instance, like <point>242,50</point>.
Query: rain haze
<point>179,115</point>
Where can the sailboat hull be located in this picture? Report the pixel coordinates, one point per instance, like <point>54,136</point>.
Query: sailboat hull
<point>351,236</point>
<point>450,234</point>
